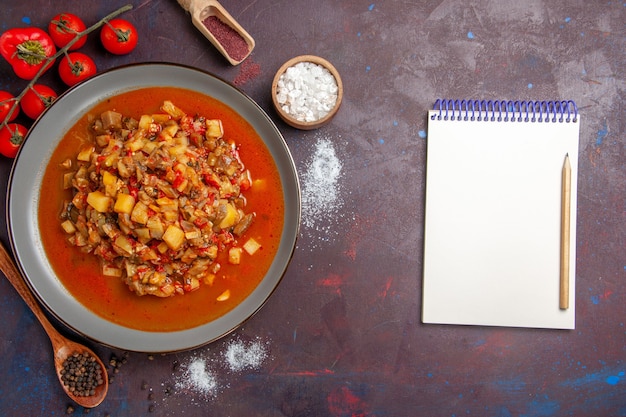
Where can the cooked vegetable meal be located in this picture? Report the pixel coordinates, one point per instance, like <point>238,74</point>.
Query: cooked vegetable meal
<point>158,199</point>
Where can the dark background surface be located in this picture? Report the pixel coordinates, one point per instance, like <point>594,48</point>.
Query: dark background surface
<point>342,335</point>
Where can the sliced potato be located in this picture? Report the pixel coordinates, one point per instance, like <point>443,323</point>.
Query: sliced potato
<point>99,201</point>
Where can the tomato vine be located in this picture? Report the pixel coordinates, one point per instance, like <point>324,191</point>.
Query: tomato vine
<point>50,59</point>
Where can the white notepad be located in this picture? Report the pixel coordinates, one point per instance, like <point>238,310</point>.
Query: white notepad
<point>492,245</point>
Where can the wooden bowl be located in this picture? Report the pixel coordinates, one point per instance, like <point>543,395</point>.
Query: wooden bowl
<point>290,119</point>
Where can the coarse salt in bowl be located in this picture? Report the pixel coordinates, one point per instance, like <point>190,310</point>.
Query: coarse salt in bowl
<point>307,92</point>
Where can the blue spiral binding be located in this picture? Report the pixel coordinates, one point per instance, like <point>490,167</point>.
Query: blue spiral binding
<point>506,110</point>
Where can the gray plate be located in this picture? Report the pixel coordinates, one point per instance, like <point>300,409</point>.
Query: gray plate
<point>24,193</point>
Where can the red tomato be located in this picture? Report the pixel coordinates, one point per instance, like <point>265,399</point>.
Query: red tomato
<point>6,102</point>
<point>118,36</point>
<point>76,67</point>
<point>11,138</point>
<point>38,98</point>
<point>64,27</point>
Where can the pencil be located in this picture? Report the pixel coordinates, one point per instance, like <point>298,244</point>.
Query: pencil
<point>566,191</point>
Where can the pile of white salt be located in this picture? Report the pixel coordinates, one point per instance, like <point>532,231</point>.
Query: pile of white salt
<point>307,91</point>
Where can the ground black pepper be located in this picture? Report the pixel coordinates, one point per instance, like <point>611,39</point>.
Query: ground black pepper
<point>81,374</point>
<point>233,43</point>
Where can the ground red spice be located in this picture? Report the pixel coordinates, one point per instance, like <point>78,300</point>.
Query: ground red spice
<point>248,71</point>
<point>235,46</point>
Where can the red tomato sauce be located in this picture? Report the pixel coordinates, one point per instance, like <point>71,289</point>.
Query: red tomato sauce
<point>110,298</point>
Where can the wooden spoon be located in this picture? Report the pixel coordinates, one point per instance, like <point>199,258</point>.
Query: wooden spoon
<point>62,347</point>
<point>200,10</point>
